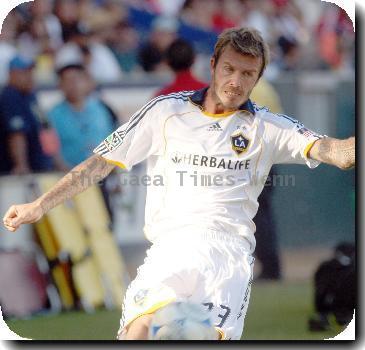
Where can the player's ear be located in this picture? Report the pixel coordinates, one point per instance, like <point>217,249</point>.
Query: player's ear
<point>212,65</point>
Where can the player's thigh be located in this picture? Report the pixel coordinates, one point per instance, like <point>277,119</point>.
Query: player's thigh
<point>225,291</point>
<point>158,283</point>
<point>137,329</point>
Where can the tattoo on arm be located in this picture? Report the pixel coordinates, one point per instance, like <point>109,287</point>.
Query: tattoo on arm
<point>84,175</point>
<point>340,153</point>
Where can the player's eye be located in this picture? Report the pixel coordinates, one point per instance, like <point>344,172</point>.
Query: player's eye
<point>228,69</point>
<point>247,74</point>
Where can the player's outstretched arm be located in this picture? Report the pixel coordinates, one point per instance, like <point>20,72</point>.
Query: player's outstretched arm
<point>87,173</point>
<point>340,153</point>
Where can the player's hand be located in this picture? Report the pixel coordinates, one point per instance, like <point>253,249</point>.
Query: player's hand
<point>22,214</point>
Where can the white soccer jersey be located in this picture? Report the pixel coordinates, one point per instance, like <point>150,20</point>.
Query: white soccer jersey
<point>205,172</point>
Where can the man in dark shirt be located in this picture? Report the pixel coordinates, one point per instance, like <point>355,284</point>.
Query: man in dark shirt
<point>21,150</point>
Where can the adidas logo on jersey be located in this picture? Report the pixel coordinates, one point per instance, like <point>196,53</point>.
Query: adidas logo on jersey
<point>215,127</point>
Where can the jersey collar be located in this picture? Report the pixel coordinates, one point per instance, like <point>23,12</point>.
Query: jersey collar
<point>197,98</point>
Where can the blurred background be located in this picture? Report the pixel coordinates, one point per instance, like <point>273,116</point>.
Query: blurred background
<point>71,71</point>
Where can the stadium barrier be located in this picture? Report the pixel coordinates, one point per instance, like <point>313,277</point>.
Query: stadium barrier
<point>83,259</point>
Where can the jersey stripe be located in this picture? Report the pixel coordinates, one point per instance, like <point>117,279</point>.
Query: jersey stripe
<point>288,118</point>
<point>141,115</point>
<point>137,117</point>
<point>157,99</point>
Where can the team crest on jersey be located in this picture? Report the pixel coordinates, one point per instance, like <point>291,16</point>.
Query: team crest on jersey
<point>113,141</point>
<point>140,296</point>
<point>239,143</point>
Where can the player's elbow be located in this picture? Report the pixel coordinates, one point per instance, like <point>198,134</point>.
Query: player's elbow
<point>346,164</point>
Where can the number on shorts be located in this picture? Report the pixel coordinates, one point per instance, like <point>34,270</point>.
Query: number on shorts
<point>223,316</point>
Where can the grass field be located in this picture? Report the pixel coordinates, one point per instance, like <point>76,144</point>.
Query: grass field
<point>277,311</point>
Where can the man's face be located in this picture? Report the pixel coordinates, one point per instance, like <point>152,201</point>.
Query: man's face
<point>22,79</point>
<point>75,84</point>
<point>234,77</point>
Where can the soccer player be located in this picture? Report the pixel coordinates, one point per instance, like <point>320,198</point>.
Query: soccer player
<point>208,153</point>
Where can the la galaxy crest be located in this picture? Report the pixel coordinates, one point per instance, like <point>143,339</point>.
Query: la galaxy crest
<point>239,143</point>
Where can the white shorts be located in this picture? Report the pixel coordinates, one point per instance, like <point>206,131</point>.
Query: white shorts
<point>213,268</point>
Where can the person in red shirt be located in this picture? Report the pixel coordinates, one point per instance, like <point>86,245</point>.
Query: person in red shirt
<point>180,57</point>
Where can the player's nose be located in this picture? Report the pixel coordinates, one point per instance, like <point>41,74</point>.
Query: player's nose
<point>235,81</point>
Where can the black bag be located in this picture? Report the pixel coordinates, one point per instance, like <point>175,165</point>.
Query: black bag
<point>335,288</point>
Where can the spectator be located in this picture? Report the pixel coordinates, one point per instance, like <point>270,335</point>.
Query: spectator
<point>163,33</point>
<point>42,11</point>
<point>68,13</point>
<point>84,47</point>
<point>124,43</point>
<point>288,22</point>
<point>230,15</point>
<point>80,120</point>
<point>200,13</point>
<point>289,54</point>
<point>335,38</point>
<point>258,14</point>
<point>21,148</point>
<point>99,16</point>
<point>7,46</point>
<point>180,58</point>
<point>264,94</point>
<point>168,7</point>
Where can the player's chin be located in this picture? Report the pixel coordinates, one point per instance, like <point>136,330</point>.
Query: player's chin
<point>231,105</point>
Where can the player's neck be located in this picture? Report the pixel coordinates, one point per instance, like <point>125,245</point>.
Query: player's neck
<point>212,105</point>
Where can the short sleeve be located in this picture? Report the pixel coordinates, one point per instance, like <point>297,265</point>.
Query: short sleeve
<point>135,140</point>
<point>12,115</point>
<point>293,142</point>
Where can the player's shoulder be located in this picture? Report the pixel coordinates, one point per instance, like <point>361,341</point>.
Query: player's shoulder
<point>276,119</point>
<point>172,99</point>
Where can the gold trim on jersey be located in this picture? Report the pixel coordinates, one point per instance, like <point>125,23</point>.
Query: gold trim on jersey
<point>114,162</point>
<point>218,115</point>
<point>308,148</point>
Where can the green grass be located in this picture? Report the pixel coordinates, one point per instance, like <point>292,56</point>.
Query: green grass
<point>277,311</point>
<point>280,311</point>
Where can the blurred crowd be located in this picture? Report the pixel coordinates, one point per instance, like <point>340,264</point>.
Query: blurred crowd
<point>119,38</point>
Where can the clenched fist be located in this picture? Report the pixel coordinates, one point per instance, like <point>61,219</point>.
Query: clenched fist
<point>22,214</point>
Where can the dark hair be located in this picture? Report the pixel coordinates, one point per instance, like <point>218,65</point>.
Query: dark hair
<point>76,66</point>
<point>180,55</point>
<point>149,57</point>
<point>286,44</point>
<point>247,41</point>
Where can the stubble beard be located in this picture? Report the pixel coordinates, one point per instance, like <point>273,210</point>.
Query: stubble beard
<point>219,102</point>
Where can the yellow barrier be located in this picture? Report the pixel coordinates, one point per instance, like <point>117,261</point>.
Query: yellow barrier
<point>94,271</point>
